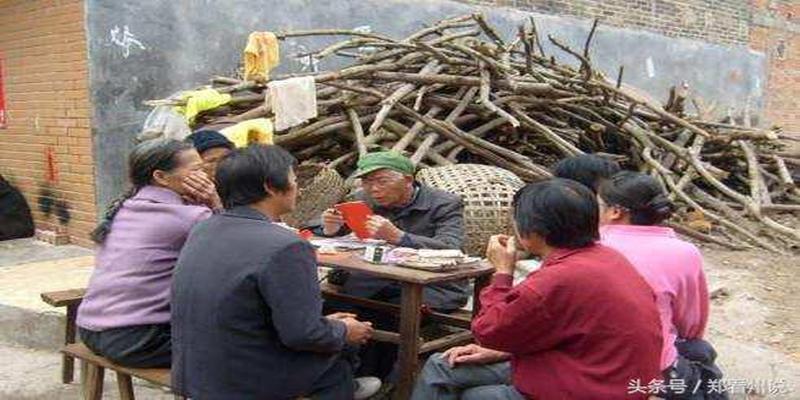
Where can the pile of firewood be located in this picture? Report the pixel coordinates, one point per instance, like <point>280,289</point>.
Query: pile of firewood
<point>458,92</point>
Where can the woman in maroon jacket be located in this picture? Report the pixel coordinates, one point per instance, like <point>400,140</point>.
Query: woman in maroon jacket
<point>583,327</point>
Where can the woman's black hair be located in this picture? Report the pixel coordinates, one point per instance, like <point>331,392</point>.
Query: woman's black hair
<point>146,158</point>
<point>640,195</point>
<point>588,169</point>
<point>562,211</point>
<point>242,176</point>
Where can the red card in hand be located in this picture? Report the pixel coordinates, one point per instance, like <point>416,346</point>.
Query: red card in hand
<point>355,214</point>
<point>305,234</point>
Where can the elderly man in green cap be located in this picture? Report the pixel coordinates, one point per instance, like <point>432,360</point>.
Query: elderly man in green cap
<point>407,214</point>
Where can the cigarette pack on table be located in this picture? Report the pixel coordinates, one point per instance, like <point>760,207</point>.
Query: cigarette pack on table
<point>376,254</point>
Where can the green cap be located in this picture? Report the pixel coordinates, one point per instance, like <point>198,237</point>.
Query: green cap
<point>384,160</point>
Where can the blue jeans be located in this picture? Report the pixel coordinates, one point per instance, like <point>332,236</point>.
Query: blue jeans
<point>439,381</point>
<point>140,346</point>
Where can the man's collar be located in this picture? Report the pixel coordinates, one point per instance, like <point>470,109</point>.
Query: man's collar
<point>421,199</point>
<point>246,212</point>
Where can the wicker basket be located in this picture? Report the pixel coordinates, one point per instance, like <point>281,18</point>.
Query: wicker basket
<point>319,188</point>
<point>487,193</point>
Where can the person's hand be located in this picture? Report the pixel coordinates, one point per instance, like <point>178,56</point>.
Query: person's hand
<point>332,221</point>
<point>357,332</point>
<point>473,354</point>
<point>381,228</point>
<point>502,253</point>
<point>340,316</point>
<point>200,190</point>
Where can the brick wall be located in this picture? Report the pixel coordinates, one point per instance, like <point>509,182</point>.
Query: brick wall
<point>768,26</point>
<point>717,21</point>
<point>776,32</point>
<point>43,46</point>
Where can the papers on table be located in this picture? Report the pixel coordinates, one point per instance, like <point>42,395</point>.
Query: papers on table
<point>423,259</point>
<point>344,243</point>
<point>430,260</point>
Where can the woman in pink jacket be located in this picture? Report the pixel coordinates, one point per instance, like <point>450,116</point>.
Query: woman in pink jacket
<point>632,207</point>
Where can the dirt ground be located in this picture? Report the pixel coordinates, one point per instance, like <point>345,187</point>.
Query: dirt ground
<point>754,323</point>
<point>770,283</point>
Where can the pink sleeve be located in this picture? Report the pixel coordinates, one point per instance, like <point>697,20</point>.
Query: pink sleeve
<point>690,310</point>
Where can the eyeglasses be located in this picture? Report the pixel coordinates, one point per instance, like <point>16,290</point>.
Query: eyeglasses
<point>380,182</point>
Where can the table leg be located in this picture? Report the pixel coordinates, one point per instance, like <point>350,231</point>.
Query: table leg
<point>408,354</point>
<point>480,283</point>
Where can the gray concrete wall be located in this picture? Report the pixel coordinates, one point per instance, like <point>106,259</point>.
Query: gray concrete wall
<point>148,50</point>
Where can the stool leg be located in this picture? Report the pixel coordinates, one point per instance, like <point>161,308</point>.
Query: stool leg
<point>84,373</point>
<point>93,389</point>
<point>68,362</point>
<point>125,384</point>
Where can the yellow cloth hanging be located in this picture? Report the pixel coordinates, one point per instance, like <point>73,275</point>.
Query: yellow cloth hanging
<point>198,101</point>
<point>258,130</point>
<point>261,55</point>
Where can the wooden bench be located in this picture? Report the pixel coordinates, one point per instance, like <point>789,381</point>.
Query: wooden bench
<point>70,299</point>
<point>93,373</point>
<point>94,366</point>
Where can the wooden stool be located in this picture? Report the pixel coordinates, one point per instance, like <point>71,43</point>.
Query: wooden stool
<point>93,373</point>
<point>71,299</point>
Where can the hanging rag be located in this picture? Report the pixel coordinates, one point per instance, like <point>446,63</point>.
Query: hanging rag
<point>293,101</point>
<point>261,55</point>
<point>198,101</point>
<point>164,122</point>
<point>258,130</point>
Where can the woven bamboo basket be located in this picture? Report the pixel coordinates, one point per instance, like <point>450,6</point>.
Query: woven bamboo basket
<point>320,187</point>
<point>487,193</point>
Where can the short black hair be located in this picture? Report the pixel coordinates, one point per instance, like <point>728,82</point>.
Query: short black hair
<point>562,211</point>
<point>588,169</point>
<point>242,174</point>
<point>640,195</point>
<point>207,139</point>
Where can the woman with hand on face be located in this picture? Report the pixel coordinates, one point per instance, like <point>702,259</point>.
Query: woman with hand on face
<point>125,314</point>
<point>632,207</point>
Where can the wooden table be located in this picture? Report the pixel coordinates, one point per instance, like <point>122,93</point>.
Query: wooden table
<point>412,281</point>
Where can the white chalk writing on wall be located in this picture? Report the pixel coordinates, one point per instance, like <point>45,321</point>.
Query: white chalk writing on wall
<point>125,39</point>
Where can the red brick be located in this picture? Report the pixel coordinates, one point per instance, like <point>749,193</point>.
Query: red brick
<point>46,86</point>
<point>727,21</point>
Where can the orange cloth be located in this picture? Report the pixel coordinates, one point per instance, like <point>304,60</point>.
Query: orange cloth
<point>261,55</point>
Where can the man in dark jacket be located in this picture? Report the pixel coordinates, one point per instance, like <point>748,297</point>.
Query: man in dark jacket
<point>406,214</point>
<point>246,310</point>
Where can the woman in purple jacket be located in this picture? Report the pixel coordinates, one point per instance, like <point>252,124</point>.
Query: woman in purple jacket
<point>125,314</point>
